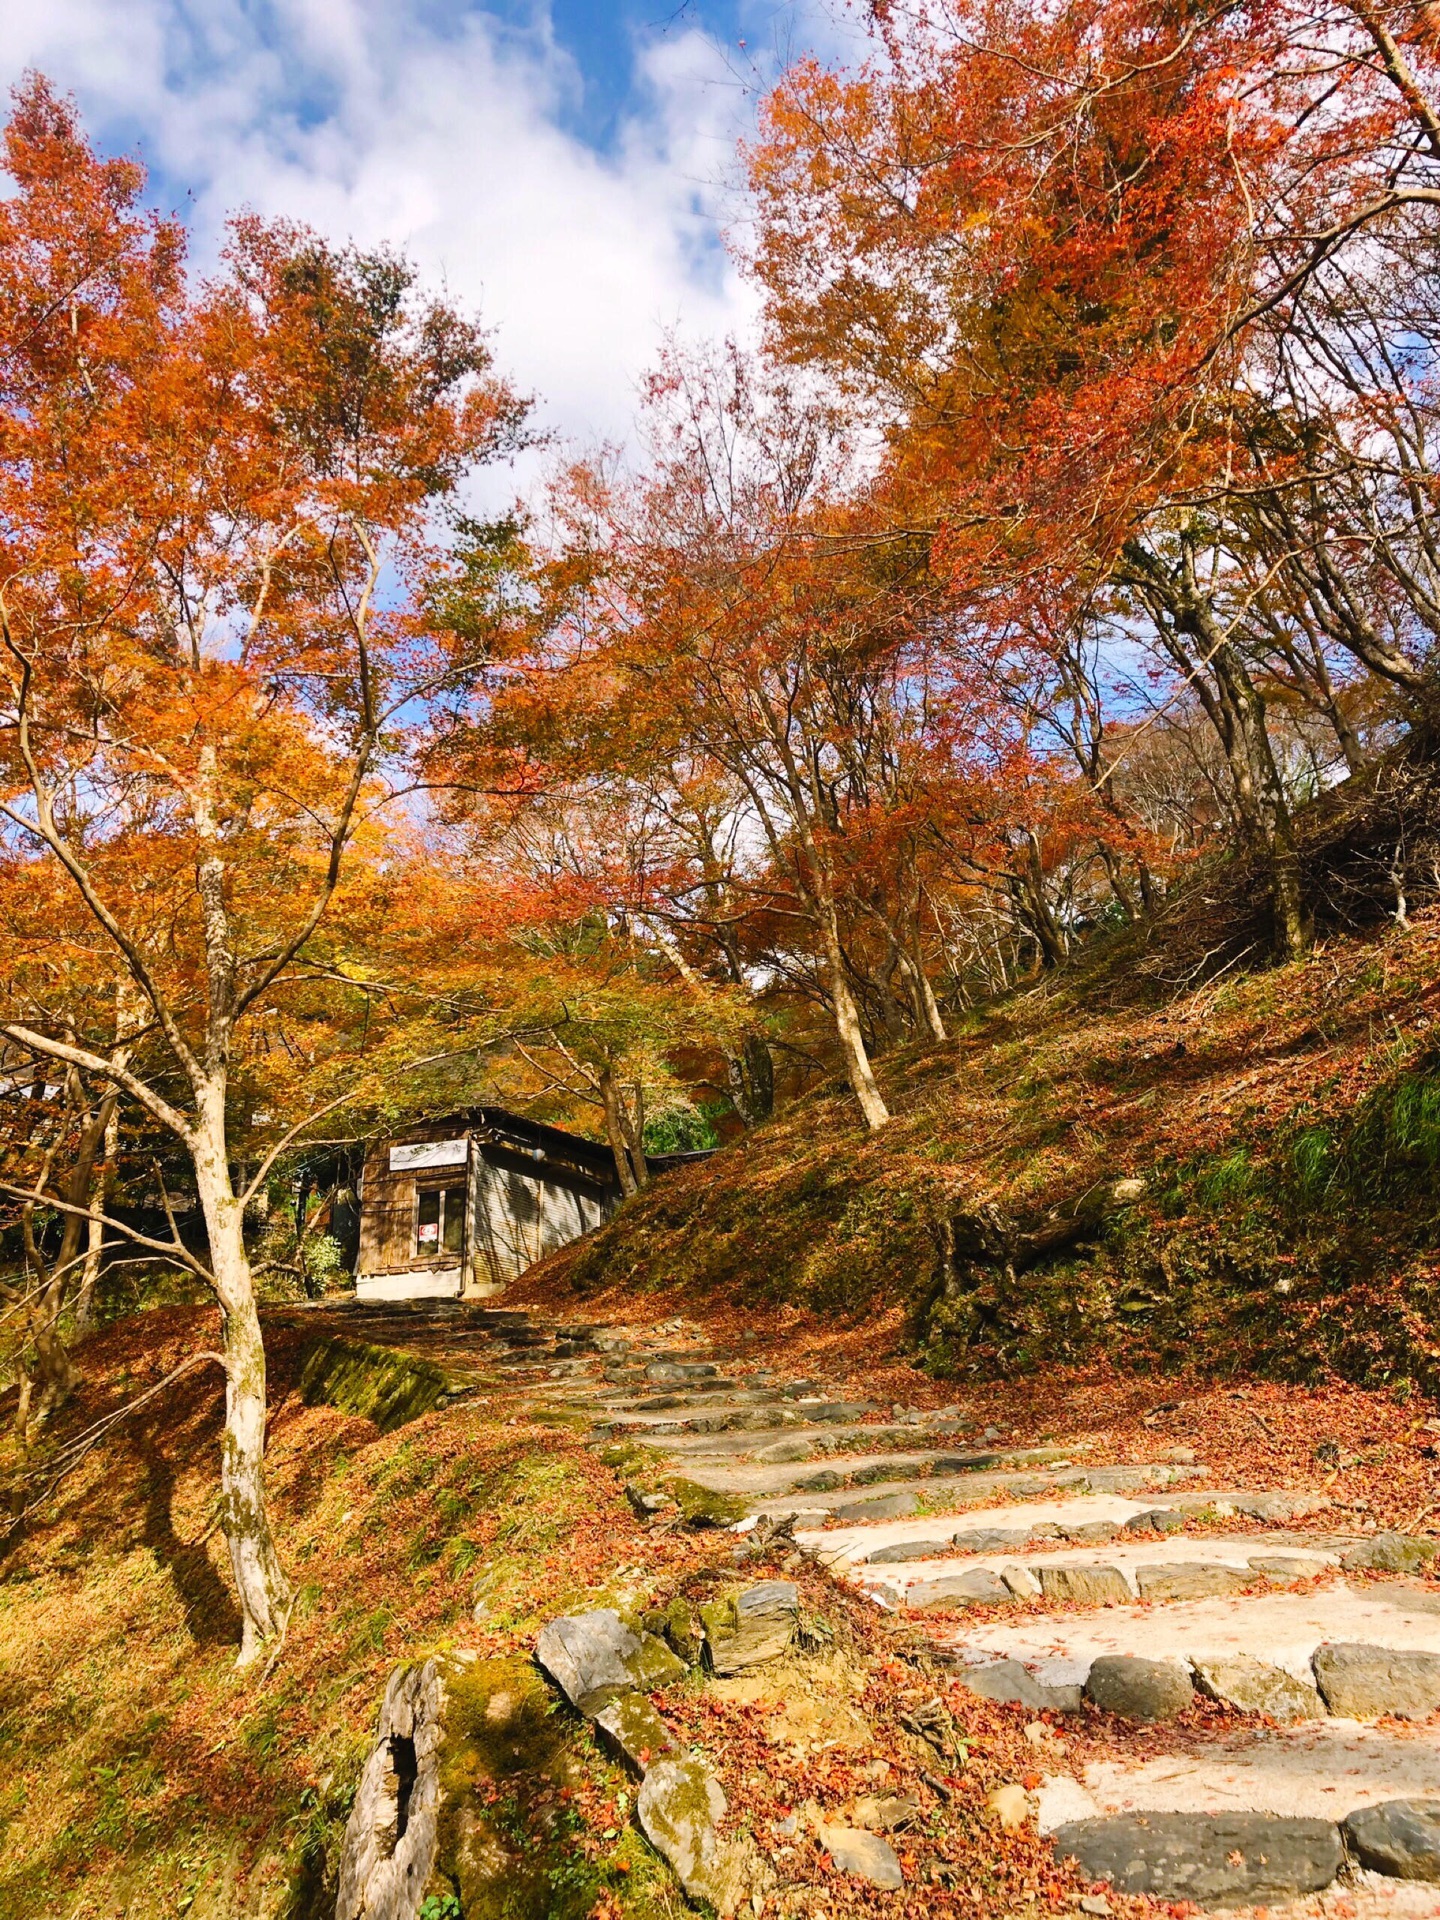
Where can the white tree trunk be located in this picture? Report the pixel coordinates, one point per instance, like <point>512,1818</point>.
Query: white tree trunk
<point>260,1582</point>
<point>858,1070</point>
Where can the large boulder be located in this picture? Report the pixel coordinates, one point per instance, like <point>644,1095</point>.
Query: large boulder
<point>679,1806</point>
<point>1399,1837</point>
<point>1361,1682</point>
<point>593,1657</point>
<point>1215,1860</point>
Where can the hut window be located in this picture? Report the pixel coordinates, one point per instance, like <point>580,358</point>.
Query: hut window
<point>440,1220</point>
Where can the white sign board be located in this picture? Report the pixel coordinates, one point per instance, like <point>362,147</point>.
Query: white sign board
<point>429,1153</point>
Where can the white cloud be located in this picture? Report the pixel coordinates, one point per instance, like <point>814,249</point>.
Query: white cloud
<point>442,133</point>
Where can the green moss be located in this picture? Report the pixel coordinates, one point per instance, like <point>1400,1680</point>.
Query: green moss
<point>373,1382</point>
<point>719,1616</point>
<point>508,1839</point>
<point>504,1828</point>
<point>703,1506</point>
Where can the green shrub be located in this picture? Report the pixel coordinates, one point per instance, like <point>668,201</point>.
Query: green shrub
<point>682,1130</point>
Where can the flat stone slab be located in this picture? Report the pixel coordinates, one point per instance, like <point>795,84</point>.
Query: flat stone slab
<point>1399,1837</point>
<point>752,1644</point>
<point>1219,1860</point>
<point>883,1813</point>
<point>752,1458</point>
<point>633,1733</point>
<point>1283,1629</point>
<point>977,1587</point>
<point>1156,1520</point>
<point>1392,1553</point>
<point>786,1452</point>
<point>1274,1507</point>
<point>678,1806</point>
<point>1318,1768</point>
<point>1284,1569</point>
<point>768,1599</point>
<point>1190,1580</point>
<point>949,1494</point>
<point>887,1506</point>
<point>1151,1567</point>
<point>969,1531</point>
<point>1086,1586</point>
<point>907,1550</point>
<point>772,1462</point>
<point>946,1492</point>
<point>1011,1681</point>
<point>738,1417</point>
<point>1361,1682</point>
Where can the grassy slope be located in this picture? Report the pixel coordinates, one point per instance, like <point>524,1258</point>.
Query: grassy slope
<point>1286,1125</point>
<point>1286,1122</point>
<point>141,1774</point>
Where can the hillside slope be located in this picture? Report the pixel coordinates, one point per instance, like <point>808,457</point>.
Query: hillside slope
<point>1285,1124</point>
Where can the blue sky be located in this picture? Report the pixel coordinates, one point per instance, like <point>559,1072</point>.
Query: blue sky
<point>603,40</point>
<point>564,166</point>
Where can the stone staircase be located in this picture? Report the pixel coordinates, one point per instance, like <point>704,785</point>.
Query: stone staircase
<point>1232,1697</point>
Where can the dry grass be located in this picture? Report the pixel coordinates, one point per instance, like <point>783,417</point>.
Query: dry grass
<point>1239,1254</point>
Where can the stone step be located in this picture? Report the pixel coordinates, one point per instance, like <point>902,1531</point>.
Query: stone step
<point>1316,1768</point>
<point>1163,1570</point>
<point>840,1546</point>
<point>946,1493</point>
<point>1274,1866</point>
<point>731,1416</point>
<point>797,1437</point>
<point>815,1464</point>
<point>1279,1629</point>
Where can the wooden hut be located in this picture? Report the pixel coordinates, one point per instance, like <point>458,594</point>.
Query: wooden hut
<point>462,1204</point>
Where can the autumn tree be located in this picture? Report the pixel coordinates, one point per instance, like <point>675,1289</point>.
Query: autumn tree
<point>1136,296</point>
<point>749,692</point>
<point>215,502</point>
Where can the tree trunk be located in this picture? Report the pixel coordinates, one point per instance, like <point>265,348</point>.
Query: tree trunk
<point>1052,943</point>
<point>260,1583</point>
<point>752,1080</point>
<point>615,1132</point>
<point>858,1070</point>
<point>912,964</point>
<point>53,1376</point>
<point>1236,710</point>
